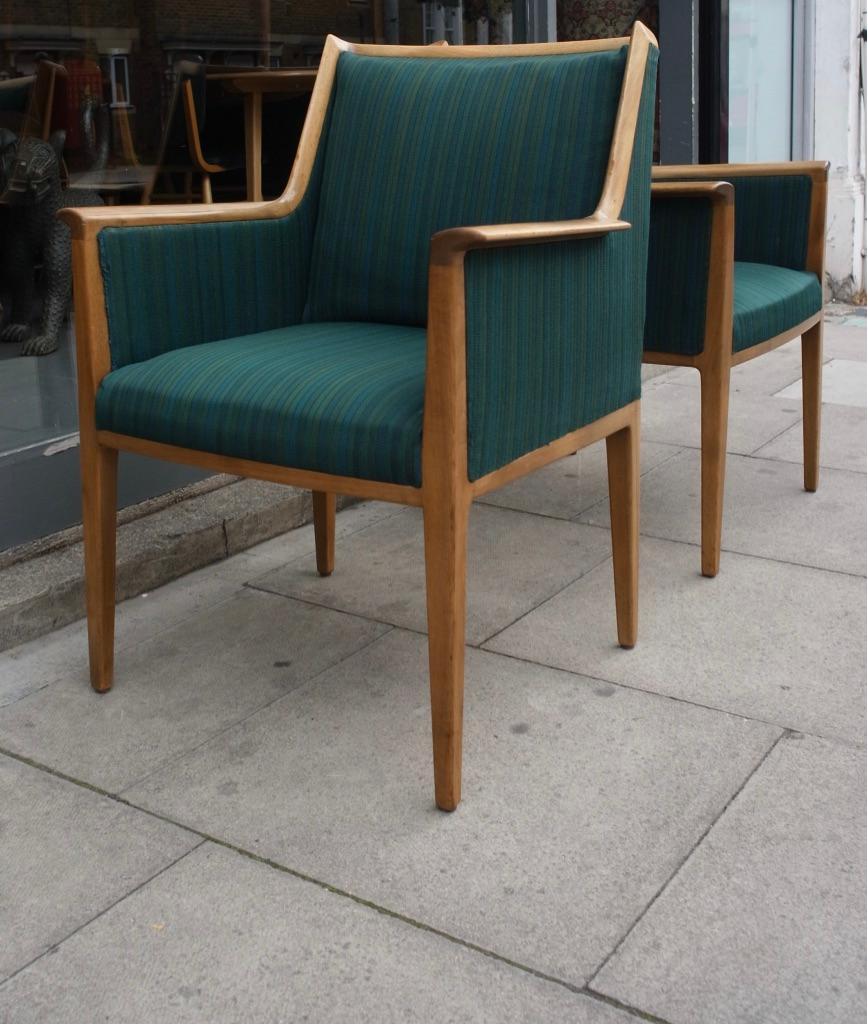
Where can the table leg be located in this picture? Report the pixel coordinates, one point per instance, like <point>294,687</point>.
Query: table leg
<point>253,140</point>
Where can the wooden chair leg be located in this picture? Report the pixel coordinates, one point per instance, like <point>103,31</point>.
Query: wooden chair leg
<point>623,489</point>
<point>207,195</point>
<point>714,436</point>
<point>324,511</point>
<point>811,374</point>
<point>445,546</point>
<point>99,511</point>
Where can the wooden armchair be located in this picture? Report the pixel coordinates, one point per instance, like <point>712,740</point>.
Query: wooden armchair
<point>736,265</point>
<point>359,335</point>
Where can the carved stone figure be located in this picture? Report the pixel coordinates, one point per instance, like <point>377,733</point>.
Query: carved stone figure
<point>31,190</point>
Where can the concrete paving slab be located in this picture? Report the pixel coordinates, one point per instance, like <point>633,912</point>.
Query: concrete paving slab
<point>66,854</point>
<point>764,639</point>
<point>767,511</point>
<point>179,688</point>
<point>671,414</point>
<point>63,653</point>
<point>844,382</point>
<point>847,340</point>
<point>580,798</point>
<point>219,937</point>
<point>844,440</point>
<point>767,921</point>
<point>765,375</point>
<point>570,486</point>
<point>300,543</point>
<point>514,562</point>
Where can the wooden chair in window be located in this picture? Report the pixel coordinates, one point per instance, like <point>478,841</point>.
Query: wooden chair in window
<point>182,149</point>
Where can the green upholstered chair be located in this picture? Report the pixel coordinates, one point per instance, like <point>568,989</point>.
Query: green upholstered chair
<point>735,269</point>
<point>449,294</point>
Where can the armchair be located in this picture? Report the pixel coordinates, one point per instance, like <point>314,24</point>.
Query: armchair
<point>735,269</point>
<point>359,335</point>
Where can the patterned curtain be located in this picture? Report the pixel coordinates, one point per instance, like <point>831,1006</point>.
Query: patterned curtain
<point>600,19</point>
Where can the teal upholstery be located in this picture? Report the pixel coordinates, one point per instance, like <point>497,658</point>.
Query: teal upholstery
<point>340,398</point>
<point>770,300</point>
<point>772,219</point>
<point>175,285</point>
<point>433,144</point>
<point>678,269</point>
<point>300,341</point>
<point>554,331</point>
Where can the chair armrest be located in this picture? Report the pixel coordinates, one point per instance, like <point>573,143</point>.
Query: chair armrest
<point>87,222</point>
<point>450,246</point>
<point>162,278</point>
<point>533,332</point>
<point>689,266</point>
<point>779,209</point>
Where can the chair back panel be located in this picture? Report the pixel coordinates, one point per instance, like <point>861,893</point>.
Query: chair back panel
<point>415,145</point>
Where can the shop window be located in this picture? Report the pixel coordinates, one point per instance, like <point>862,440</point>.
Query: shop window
<point>442,22</point>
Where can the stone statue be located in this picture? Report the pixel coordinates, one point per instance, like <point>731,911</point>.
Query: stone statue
<point>31,191</point>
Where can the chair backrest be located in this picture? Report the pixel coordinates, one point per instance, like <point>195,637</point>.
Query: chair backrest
<point>448,137</point>
<point>178,129</point>
<point>27,104</point>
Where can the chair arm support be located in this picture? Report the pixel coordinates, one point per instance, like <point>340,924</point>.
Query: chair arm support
<point>690,265</point>
<point>779,209</point>
<point>87,222</point>
<point>450,246</point>
<point>817,170</point>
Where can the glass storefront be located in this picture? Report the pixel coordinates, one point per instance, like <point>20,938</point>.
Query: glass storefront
<point>760,80</point>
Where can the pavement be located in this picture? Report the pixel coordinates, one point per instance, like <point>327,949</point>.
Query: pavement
<point>243,830</point>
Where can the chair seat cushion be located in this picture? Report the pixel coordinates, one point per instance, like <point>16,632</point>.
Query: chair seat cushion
<point>770,300</point>
<point>341,398</point>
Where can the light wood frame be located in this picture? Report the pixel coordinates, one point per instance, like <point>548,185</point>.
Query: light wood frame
<point>714,362</point>
<point>446,492</point>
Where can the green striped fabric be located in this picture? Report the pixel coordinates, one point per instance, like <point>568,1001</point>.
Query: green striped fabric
<point>677,275</point>
<point>770,300</point>
<point>772,219</point>
<point>418,145</point>
<point>554,331</point>
<point>338,398</point>
<point>175,285</point>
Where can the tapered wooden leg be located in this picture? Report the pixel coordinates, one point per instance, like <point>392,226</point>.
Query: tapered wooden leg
<point>207,195</point>
<point>445,548</point>
<point>324,510</point>
<point>714,436</point>
<point>623,489</point>
<point>99,510</point>
<point>811,374</point>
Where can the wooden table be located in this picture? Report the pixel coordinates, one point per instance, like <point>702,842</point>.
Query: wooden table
<point>253,85</point>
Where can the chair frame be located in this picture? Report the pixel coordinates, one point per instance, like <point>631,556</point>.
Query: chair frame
<point>716,360</point>
<point>446,493</point>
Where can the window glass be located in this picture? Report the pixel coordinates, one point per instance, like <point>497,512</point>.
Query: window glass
<point>100,86</point>
<point>760,80</point>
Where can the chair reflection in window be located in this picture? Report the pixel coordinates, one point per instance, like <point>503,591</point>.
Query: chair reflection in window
<point>183,151</point>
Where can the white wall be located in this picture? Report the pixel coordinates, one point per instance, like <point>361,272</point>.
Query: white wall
<point>837,134</point>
